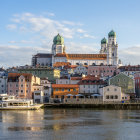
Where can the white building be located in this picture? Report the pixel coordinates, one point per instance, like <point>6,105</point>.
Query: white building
<point>3,84</point>
<point>114,93</point>
<point>108,54</point>
<point>72,80</point>
<point>38,96</point>
<point>91,85</point>
<point>81,69</point>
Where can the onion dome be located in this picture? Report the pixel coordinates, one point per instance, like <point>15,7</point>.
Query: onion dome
<point>104,41</point>
<point>111,34</point>
<point>58,40</point>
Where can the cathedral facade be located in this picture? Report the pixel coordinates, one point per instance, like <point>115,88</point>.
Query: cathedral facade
<point>108,54</point>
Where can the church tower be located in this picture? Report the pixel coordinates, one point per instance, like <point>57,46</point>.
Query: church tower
<point>103,46</point>
<point>58,45</point>
<point>112,49</point>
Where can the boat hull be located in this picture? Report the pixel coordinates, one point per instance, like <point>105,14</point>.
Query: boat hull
<point>34,107</point>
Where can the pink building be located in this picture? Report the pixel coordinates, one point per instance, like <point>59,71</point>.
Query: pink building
<point>23,85</point>
<point>103,70</point>
<point>137,84</point>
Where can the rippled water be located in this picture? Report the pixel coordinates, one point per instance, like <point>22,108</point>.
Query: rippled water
<point>70,124</point>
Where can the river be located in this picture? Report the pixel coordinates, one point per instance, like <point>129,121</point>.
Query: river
<point>70,124</point>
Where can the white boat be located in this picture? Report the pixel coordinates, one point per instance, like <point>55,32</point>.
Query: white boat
<point>12,103</point>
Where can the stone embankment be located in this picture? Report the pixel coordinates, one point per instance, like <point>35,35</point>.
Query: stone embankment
<point>94,104</point>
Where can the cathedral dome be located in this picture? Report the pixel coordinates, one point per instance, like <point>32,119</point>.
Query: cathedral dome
<point>111,34</point>
<point>104,41</point>
<point>58,40</point>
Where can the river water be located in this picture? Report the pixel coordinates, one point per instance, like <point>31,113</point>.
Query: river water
<point>70,124</point>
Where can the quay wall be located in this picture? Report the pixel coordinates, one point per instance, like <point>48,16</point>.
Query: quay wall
<point>94,104</point>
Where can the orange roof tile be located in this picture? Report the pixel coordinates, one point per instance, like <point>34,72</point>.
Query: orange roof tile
<point>18,74</point>
<point>83,56</point>
<point>59,64</point>
<point>87,56</point>
<point>60,55</point>
<point>64,86</point>
<point>76,78</point>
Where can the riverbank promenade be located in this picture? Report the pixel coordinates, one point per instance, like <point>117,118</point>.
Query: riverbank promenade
<point>94,104</point>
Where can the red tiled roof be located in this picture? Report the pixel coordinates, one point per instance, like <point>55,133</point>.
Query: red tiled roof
<point>83,56</point>
<point>64,86</point>
<point>87,56</point>
<point>18,74</point>
<point>76,78</point>
<point>60,55</point>
<point>60,64</point>
<point>91,80</point>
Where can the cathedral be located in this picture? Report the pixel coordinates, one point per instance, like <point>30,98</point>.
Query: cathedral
<point>108,54</point>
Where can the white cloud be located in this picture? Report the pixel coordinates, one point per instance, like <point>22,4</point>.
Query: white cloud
<point>11,26</point>
<point>130,55</point>
<point>82,48</point>
<point>14,55</point>
<point>47,27</point>
<point>81,31</point>
<point>89,36</point>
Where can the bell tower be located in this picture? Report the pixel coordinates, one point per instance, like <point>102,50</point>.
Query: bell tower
<point>58,45</point>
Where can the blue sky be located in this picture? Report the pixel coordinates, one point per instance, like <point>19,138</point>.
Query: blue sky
<point>28,27</point>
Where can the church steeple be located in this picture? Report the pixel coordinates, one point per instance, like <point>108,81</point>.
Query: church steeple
<point>58,45</point>
<point>58,40</point>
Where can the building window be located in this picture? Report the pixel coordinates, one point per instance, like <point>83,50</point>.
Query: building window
<point>115,89</point>
<point>56,96</point>
<point>56,89</point>
<point>125,97</point>
<point>21,91</point>
<point>68,89</point>
<point>62,89</point>
<point>107,97</point>
<point>74,89</point>
<point>27,91</point>
<point>16,85</point>
<point>21,80</point>
<point>122,97</point>
<point>21,85</point>
<point>116,96</point>
<point>111,97</point>
<point>16,90</point>
<point>108,89</point>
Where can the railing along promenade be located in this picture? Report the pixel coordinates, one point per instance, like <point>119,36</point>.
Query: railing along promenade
<point>94,101</point>
<point>94,104</point>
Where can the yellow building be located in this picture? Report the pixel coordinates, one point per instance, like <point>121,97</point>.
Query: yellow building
<point>65,90</point>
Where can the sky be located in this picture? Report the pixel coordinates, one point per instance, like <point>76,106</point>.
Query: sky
<point>28,27</point>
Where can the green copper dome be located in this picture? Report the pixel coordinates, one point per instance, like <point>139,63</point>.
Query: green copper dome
<point>104,41</point>
<point>111,34</point>
<point>58,40</point>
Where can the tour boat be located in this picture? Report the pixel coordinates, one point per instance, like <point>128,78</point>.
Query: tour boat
<point>13,103</point>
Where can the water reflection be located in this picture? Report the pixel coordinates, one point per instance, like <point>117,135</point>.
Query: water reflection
<point>67,124</point>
